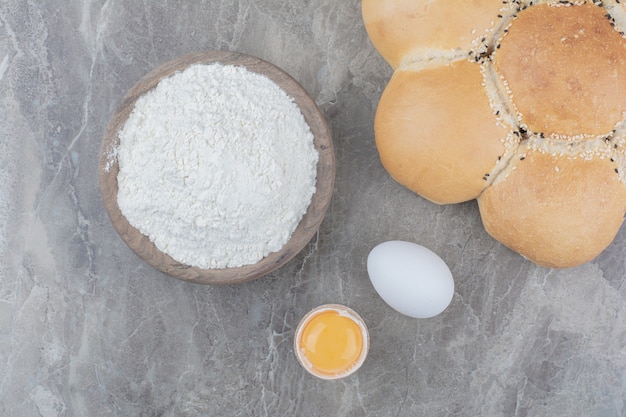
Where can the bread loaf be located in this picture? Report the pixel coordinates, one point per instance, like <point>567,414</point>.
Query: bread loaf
<point>521,105</point>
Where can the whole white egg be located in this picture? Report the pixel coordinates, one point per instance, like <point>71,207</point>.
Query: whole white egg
<point>412,279</point>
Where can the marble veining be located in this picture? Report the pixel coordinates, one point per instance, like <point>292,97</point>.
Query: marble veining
<point>88,329</point>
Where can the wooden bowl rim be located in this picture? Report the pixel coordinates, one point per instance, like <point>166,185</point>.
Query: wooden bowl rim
<point>308,226</point>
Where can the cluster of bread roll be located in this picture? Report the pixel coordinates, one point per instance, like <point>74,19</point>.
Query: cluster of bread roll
<point>518,104</point>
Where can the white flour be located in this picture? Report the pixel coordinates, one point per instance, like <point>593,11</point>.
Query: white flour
<point>217,166</point>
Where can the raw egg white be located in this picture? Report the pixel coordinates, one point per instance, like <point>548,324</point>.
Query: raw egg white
<point>412,279</point>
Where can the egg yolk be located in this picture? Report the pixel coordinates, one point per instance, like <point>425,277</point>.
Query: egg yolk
<point>332,343</point>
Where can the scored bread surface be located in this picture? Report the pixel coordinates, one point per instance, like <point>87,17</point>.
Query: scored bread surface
<point>521,105</point>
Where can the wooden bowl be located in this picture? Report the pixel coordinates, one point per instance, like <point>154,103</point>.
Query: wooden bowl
<point>142,246</point>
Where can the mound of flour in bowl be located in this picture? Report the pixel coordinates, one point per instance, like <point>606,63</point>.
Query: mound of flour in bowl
<point>217,166</point>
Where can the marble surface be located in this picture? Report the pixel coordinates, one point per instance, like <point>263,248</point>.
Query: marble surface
<point>88,329</point>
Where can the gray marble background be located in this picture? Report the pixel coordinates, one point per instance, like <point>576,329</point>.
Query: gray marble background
<point>88,329</point>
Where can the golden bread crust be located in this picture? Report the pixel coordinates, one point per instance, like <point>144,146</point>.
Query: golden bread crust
<point>401,29</point>
<point>566,69</point>
<point>556,210</point>
<point>518,104</point>
<point>443,161</point>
